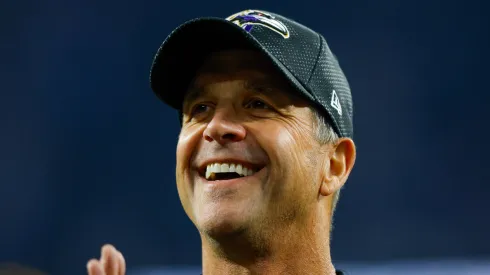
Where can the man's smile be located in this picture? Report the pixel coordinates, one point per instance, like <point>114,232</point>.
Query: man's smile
<point>219,169</point>
<point>230,179</point>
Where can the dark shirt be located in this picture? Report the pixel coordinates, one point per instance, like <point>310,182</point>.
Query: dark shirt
<point>337,272</point>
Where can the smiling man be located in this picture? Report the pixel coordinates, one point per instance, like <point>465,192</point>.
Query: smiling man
<point>265,146</point>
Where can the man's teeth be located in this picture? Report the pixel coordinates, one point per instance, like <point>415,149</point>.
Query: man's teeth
<point>214,168</point>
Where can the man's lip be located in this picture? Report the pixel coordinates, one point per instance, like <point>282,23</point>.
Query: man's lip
<point>230,182</point>
<point>254,166</point>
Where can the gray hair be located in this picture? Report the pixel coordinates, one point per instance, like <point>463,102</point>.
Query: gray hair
<point>325,134</point>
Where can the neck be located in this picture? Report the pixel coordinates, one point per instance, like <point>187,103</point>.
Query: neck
<point>303,249</point>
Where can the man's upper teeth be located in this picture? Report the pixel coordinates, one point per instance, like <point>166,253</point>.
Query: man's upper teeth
<point>227,168</point>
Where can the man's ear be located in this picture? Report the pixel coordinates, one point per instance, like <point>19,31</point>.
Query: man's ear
<point>338,165</point>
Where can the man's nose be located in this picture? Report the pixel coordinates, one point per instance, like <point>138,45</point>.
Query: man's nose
<point>224,127</point>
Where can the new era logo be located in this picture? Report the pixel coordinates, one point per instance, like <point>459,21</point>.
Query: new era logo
<point>335,103</point>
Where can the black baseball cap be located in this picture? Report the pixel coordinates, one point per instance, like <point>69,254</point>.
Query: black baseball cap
<point>300,54</point>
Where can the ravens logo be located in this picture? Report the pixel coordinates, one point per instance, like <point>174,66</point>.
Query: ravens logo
<point>247,19</point>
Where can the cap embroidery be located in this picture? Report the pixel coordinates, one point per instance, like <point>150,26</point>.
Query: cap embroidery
<point>335,103</point>
<point>248,18</point>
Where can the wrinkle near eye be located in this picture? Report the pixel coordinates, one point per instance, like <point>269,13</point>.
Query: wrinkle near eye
<point>298,123</point>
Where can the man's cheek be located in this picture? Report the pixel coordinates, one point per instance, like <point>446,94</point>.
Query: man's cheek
<point>186,146</point>
<point>180,156</point>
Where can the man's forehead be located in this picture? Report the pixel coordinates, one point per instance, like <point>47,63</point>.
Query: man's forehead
<point>252,69</point>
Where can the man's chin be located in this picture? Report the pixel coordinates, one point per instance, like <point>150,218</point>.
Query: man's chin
<point>218,226</point>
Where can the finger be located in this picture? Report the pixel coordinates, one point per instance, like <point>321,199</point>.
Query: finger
<point>122,264</point>
<point>110,259</point>
<point>94,267</point>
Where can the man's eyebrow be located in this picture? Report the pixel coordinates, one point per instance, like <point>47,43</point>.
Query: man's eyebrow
<point>192,94</point>
<point>268,88</point>
<point>264,87</point>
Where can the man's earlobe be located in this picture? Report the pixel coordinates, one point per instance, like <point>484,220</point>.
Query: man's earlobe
<point>329,186</point>
<point>341,161</point>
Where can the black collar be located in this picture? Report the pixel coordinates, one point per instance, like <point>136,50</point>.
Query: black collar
<point>337,272</point>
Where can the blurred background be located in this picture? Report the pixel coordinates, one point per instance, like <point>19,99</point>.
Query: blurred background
<point>87,152</point>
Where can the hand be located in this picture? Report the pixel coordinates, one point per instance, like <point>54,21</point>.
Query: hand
<point>111,262</point>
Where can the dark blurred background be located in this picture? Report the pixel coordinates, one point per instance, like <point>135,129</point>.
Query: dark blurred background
<point>87,152</point>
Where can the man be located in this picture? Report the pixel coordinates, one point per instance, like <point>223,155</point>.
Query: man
<point>265,145</point>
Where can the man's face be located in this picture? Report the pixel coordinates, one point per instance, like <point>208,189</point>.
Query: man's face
<point>240,115</point>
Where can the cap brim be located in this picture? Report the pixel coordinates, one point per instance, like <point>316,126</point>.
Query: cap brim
<point>184,50</point>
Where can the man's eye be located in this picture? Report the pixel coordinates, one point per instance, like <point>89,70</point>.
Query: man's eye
<point>199,108</point>
<point>257,104</point>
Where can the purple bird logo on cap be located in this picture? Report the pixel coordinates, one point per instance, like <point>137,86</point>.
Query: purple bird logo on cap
<point>248,18</point>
